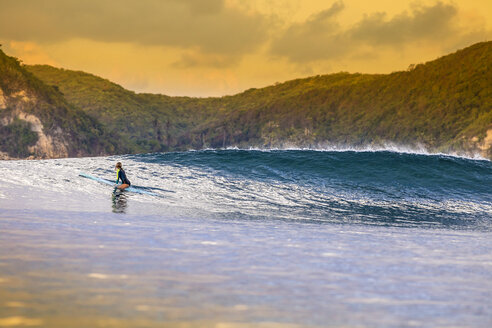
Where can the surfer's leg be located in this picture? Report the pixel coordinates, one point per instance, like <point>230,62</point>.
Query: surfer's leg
<point>123,186</point>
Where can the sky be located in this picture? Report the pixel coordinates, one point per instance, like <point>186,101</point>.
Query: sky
<point>221,47</point>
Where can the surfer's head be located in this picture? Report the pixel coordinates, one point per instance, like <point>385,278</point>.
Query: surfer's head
<point>118,165</point>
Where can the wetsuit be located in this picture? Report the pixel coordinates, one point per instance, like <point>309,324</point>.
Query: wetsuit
<point>120,174</point>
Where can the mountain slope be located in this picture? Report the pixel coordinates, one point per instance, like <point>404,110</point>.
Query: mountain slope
<point>144,119</point>
<point>443,105</point>
<point>36,120</point>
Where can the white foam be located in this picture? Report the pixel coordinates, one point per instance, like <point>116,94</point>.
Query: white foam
<point>103,276</point>
<point>209,243</point>
<point>418,149</point>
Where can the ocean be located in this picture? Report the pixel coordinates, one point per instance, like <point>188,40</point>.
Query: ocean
<point>248,238</point>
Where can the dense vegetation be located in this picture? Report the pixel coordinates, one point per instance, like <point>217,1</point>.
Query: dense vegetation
<point>79,132</point>
<point>16,137</point>
<point>146,122</point>
<point>441,104</point>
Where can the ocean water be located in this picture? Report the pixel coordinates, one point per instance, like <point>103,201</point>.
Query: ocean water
<point>248,238</point>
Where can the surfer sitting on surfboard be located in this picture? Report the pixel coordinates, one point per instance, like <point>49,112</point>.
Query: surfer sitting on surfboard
<point>120,175</point>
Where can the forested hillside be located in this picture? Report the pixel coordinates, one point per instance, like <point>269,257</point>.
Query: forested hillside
<point>36,120</point>
<point>443,105</point>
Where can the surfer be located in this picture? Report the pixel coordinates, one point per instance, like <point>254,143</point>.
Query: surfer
<point>120,175</point>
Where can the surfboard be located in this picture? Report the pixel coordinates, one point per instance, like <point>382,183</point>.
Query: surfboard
<point>137,190</point>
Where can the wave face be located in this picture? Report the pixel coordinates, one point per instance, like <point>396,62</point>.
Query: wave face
<point>377,188</point>
<point>356,187</point>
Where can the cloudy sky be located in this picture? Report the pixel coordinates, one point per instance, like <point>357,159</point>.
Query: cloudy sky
<point>219,47</point>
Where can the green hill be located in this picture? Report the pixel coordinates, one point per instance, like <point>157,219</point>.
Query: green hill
<point>37,121</point>
<point>149,122</point>
<point>443,105</point>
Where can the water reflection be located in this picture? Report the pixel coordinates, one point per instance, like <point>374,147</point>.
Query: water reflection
<point>120,201</point>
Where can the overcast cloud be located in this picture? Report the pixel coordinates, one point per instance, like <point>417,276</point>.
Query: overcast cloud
<point>322,38</point>
<point>207,25</point>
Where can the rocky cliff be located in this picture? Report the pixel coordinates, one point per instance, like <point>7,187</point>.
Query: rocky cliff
<point>36,121</point>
